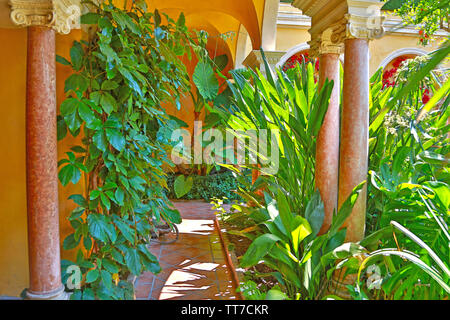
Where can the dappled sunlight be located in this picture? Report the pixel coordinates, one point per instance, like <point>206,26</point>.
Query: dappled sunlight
<point>194,267</point>
<point>191,226</point>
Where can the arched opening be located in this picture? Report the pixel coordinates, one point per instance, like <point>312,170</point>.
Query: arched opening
<point>391,69</point>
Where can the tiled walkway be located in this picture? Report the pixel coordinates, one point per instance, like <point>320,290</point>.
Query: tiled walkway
<point>194,267</point>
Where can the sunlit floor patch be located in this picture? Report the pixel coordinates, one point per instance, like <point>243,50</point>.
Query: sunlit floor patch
<point>194,267</point>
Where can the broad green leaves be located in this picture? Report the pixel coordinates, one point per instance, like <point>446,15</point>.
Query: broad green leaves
<point>113,103</point>
<point>314,212</point>
<point>182,185</point>
<point>259,248</point>
<point>205,80</point>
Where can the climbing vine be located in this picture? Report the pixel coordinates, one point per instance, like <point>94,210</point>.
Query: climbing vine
<point>122,74</point>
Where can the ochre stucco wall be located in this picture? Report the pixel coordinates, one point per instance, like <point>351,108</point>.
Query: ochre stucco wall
<point>13,214</point>
<point>290,37</point>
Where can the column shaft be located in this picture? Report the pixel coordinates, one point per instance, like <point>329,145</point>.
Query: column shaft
<point>355,133</point>
<point>327,150</point>
<point>41,162</point>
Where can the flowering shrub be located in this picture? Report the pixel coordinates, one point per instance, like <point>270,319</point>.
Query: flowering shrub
<point>300,57</point>
<point>398,70</point>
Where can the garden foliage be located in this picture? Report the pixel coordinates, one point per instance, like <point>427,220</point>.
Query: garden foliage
<point>121,75</point>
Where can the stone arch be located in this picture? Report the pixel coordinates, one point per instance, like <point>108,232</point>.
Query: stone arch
<point>295,49</point>
<point>399,53</point>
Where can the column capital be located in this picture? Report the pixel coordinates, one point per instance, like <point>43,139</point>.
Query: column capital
<point>60,15</point>
<point>325,43</point>
<point>354,26</point>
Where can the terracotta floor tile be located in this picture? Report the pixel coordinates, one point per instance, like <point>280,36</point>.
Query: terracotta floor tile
<point>142,290</point>
<point>194,267</point>
<point>146,277</point>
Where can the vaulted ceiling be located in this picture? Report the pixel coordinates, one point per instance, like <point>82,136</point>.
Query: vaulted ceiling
<point>214,16</point>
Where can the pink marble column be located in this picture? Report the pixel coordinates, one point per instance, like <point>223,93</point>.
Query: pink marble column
<point>41,162</point>
<point>355,133</point>
<point>327,150</point>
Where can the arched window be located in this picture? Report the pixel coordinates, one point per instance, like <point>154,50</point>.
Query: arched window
<point>390,71</point>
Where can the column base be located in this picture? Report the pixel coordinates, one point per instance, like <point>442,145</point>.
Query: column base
<point>58,294</point>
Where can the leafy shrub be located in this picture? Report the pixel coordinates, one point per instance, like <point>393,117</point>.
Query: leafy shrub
<point>218,185</point>
<point>121,77</point>
<point>409,189</point>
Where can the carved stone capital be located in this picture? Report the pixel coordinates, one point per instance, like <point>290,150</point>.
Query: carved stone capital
<point>61,15</point>
<point>363,27</point>
<point>326,44</point>
<point>358,27</point>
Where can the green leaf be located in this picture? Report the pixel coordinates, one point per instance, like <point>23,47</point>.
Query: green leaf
<point>62,60</point>
<point>275,294</point>
<point>105,201</point>
<point>133,260</point>
<point>221,61</point>
<point>127,232</point>
<point>92,275</point>
<point>206,81</point>
<point>110,266</point>
<point>79,199</point>
<point>108,102</point>
<point>115,138</point>
<point>86,113</point>
<point>99,140</point>
<point>98,226</point>
<point>182,185</point>
<point>89,18</point>
<point>70,242</point>
<point>109,85</point>
<point>106,279</point>
<point>69,106</point>
<point>345,210</point>
<point>259,248</point>
<point>87,242</point>
<point>119,196</point>
<point>61,128</point>
<point>76,55</point>
<point>88,294</point>
<point>300,230</point>
<point>69,173</point>
<point>73,121</point>
<point>392,5</point>
<point>314,212</point>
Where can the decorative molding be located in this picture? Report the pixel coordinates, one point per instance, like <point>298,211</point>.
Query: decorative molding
<point>31,13</point>
<point>61,15</point>
<point>327,43</point>
<point>363,27</point>
<point>67,14</point>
